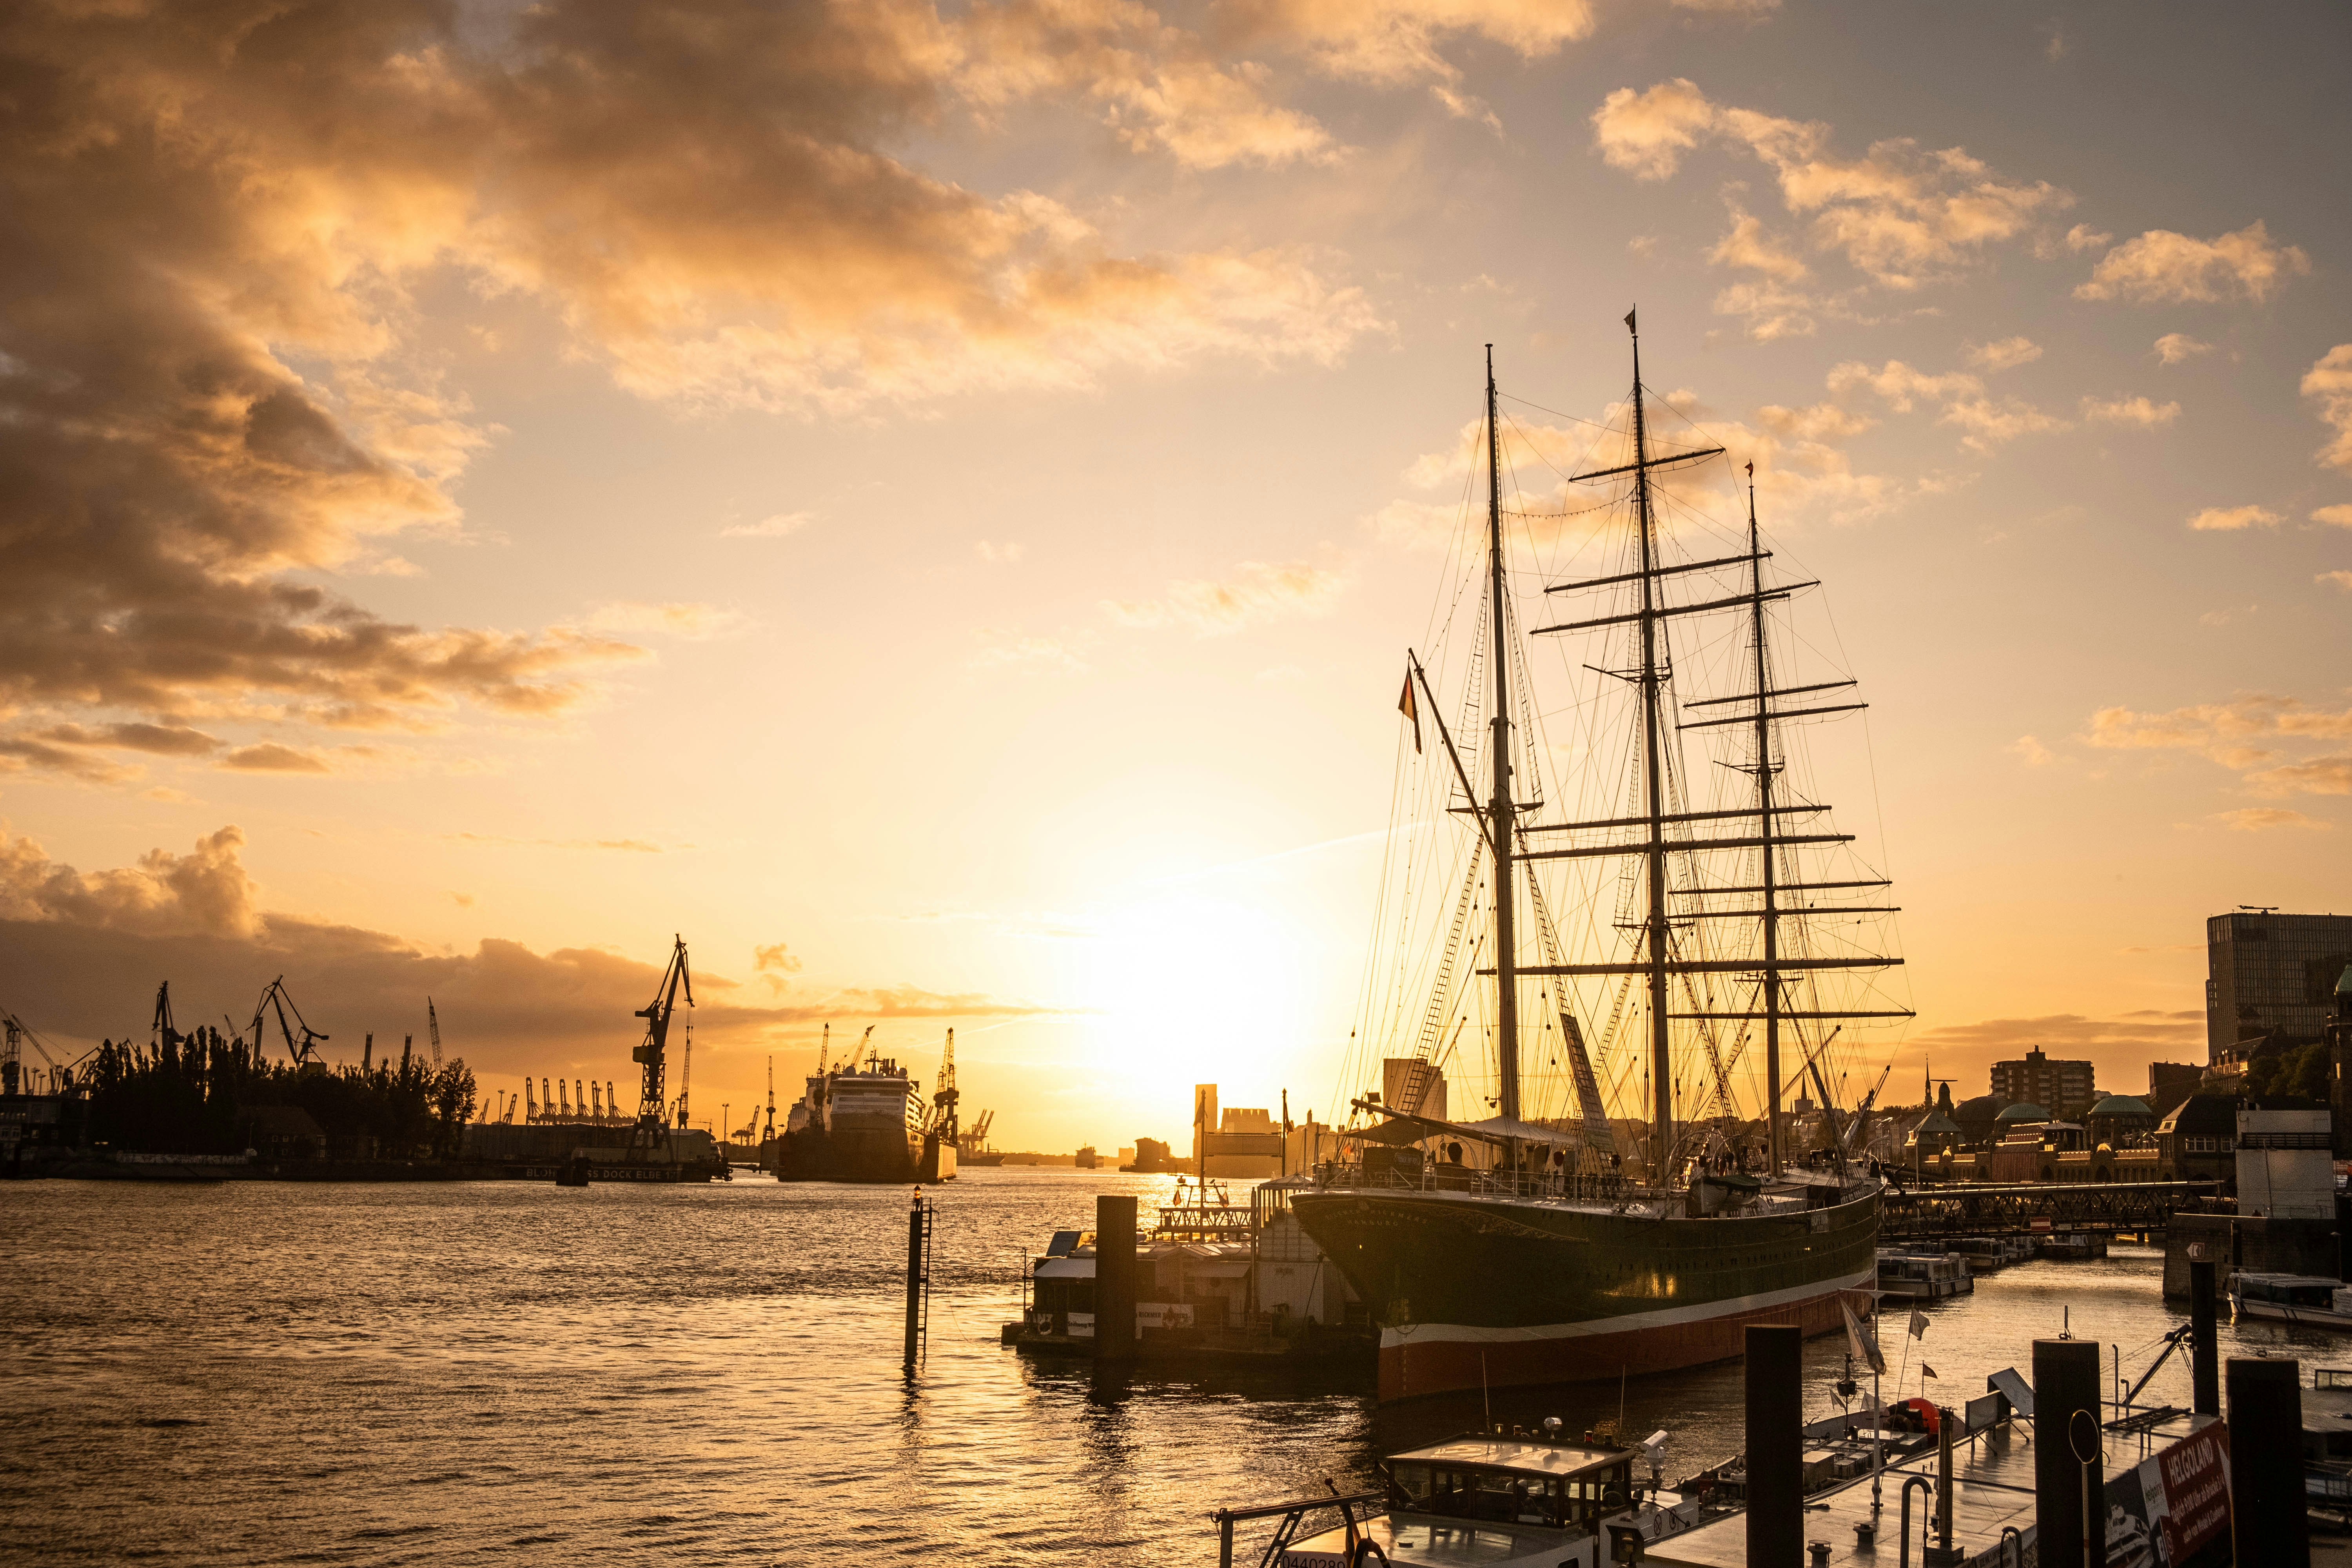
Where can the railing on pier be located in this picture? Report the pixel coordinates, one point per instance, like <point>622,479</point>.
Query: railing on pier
<point>1575,1186</point>
<point>1293,1517</point>
<point>2038,1208</point>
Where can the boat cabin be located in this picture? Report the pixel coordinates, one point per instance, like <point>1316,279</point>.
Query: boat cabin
<point>1509,1480</point>
<point>2311,1293</point>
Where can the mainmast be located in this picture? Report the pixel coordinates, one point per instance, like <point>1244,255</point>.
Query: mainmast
<point>1655,962</point>
<point>1769,883</point>
<point>1501,816</point>
<point>1654,929</point>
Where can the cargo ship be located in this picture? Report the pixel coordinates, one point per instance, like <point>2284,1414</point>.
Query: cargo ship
<point>866,1120</point>
<point>1708,923</point>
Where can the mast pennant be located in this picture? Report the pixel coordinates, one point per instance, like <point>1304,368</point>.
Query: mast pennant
<point>1411,710</point>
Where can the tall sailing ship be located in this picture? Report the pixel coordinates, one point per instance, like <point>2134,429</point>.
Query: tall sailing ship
<point>1716,915</point>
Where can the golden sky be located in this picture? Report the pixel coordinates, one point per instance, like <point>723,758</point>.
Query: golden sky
<point>930,503</point>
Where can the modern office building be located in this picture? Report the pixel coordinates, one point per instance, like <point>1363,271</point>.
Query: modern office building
<point>2272,975</point>
<point>2068,1089</point>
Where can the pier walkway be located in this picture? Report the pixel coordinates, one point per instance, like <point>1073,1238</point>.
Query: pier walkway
<point>2039,1208</point>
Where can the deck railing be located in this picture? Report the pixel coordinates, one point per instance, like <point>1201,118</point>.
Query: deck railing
<point>1293,1517</point>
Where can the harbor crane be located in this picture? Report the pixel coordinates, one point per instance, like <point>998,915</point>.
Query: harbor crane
<point>165,1037</point>
<point>653,1054</point>
<point>433,1028</point>
<point>945,1100</point>
<point>303,1050</point>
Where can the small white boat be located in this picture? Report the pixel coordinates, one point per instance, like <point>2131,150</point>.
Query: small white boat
<point>2306,1300</point>
<point>1500,1500</point>
<point>1922,1276</point>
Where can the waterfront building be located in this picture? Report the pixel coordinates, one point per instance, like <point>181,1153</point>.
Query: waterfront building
<point>2285,1167</point>
<point>2067,1087</point>
<point>2272,975</point>
<point>1977,1118</point>
<point>2119,1120</point>
<point>2170,1083</point>
<point>2199,1139</point>
<point>2339,1046</point>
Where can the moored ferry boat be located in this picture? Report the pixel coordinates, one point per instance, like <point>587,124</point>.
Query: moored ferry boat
<point>2306,1301</point>
<point>1922,1276</point>
<point>866,1120</point>
<point>1710,917</point>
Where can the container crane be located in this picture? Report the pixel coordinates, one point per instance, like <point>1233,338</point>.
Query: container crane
<point>652,1055</point>
<point>772,1099</point>
<point>303,1050</point>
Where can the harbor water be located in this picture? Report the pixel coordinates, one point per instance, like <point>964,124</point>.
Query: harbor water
<point>501,1374</point>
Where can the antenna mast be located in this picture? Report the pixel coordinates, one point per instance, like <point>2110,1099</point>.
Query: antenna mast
<point>1501,816</point>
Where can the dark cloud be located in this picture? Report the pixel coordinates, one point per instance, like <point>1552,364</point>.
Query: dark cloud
<point>163,739</point>
<point>81,954</point>
<point>2120,1046</point>
<point>272,758</point>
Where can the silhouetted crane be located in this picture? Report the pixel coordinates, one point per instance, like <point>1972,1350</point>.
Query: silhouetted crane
<point>275,994</point>
<point>433,1028</point>
<point>652,1056</point>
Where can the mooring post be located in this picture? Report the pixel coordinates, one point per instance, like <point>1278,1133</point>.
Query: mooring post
<point>915,1225</point>
<point>1776,1467</point>
<point>2270,1522</point>
<point>2066,1427</point>
<point>1114,1277</point>
<point>2204,1372</point>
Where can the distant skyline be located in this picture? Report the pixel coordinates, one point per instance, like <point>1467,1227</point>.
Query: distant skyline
<point>930,505</point>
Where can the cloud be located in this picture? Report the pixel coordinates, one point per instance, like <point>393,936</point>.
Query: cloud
<point>1901,214</point>
<point>204,892</point>
<point>2330,382</point>
<point>1257,591</point>
<point>1396,42</point>
<point>2083,237</point>
<point>2317,775</point>
<point>161,740</point>
<point>2245,734</point>
<point>221,226</point>
<point>19,754</point>
<point>1004,555</point>
<point>774,527</point>
<point>1989,425</point>
<point>775,957</point>
<point>1747,245</point>
<point>2033,753</point>
<point>2161,267</point>
<point>92,946</point>
<point>2341,579</point>
<point>270,757</point>
<point>1900,385</point>
<point>2129,1039</point>
<point>2005,354</point>
<point>2136,411</point>
<point>2339,514</point>
<point>2257,818</point>
<point>2232,519</point>
<point>2175,348</point>
<point>696,623</point>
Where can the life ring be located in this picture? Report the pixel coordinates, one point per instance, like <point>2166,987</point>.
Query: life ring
<point>1614,1497</point>
<point>1366,1548</point>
